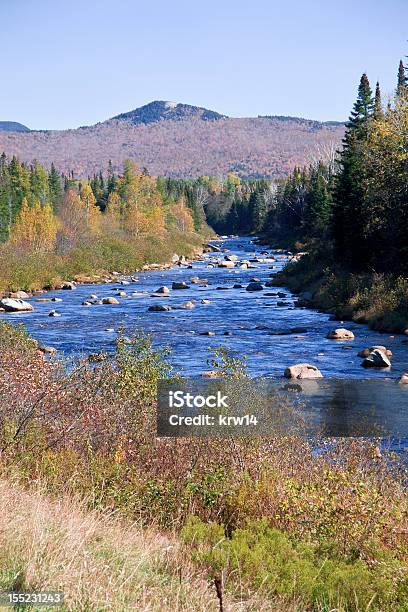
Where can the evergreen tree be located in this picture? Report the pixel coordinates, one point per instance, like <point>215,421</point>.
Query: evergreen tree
<point>348,227</point>
<point>378,109</point>
<point>402,83</point>
<point>55,187</point>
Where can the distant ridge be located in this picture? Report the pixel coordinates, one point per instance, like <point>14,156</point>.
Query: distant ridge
<point>12,126</point>
<point>180,140</point>
<point>162,110</point>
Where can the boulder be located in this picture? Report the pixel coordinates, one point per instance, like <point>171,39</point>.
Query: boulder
<point>404,379</point>
<point>15,305</point>
<point>340,334</point>
<point>366,352</point>
<point>256,286</point>
<point>159,308</point>
<point>254,280</point>
<point>187,305</point>
<point>54,313</point>
<point>56,299</point>
<point>205,301</point>
<point>231,257</point>
<point>110,300</point>
<point>68,286</point>
<point>377,359</point>
<point>86,303</point>
<point>198,281</point>
<point>303,371</point>
<point>180,285</point>
<point>226,264</point>
<point>122,294</point>
<point>238,286</point>
<point>163,289</point>
<point>207,333</point>
<point>175,258</point>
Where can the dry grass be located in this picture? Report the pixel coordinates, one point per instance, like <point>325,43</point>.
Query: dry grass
<point>99,562</point>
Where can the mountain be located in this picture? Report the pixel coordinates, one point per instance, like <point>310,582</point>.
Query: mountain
<point>160,110</point>
<point>12,126</point>
<point>180,140</point>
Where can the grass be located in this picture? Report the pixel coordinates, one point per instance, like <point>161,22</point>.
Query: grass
<point>99,561</point>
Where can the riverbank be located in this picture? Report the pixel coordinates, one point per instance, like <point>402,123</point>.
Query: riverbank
<point>378,300</point>
<point>99,261</point>
<point>272,523</point>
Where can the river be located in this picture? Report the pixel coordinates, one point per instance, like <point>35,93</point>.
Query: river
<point>252,325</point>
<point>257,322</point>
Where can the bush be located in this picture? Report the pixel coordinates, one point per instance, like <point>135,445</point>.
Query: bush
<point>259,558</point>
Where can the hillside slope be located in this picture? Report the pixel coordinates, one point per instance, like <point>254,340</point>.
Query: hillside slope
<point>181,141</point>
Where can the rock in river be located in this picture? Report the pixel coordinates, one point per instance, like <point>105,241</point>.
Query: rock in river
<point>367,351</point>
<point>164,290</point>
<point>254,287</point>
<point>187,306</point>
<point>180,285</point>
<point>377,359</point>
<point>159,308</point>
<point>110,300</point>
<point>404,379</point>
<point>11,305</point>
<point>303,371</point>
<point>54,313</point>
<point>340,334</point>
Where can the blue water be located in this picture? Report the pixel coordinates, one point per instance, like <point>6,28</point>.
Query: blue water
<point>252,319</point>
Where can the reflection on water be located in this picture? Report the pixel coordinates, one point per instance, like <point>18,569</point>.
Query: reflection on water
<point>342,408</point>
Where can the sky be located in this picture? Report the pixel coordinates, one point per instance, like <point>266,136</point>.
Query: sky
<point>67,63</point>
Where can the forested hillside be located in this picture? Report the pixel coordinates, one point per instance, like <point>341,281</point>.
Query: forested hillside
<point>182,142</point>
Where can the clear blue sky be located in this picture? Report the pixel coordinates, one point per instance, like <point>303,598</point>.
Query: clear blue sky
<point>67,63</point>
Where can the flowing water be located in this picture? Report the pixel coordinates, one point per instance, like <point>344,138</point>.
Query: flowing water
<point>258,322</point>
<point>258,326</point>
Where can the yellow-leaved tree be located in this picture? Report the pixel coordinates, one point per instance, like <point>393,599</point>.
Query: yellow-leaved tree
<point>181,217</point>
<point>92,213</point>
<point>35,228</point>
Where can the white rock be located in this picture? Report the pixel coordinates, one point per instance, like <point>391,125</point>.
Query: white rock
<point>302,371</point>
<point>15,305</point>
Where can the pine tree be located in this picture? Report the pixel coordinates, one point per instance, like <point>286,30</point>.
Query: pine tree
<point>402,84</point>
<point>378,109</point>
<point>348,221</point>
<point>55,187</point>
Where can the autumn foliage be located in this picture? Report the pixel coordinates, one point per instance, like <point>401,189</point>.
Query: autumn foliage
<point>54,226</point>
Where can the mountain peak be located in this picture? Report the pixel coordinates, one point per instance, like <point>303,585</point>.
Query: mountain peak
<point>13,126</point>
<point>165,110</point>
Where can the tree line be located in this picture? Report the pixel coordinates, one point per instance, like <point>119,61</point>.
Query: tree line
<point>44,211</point>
